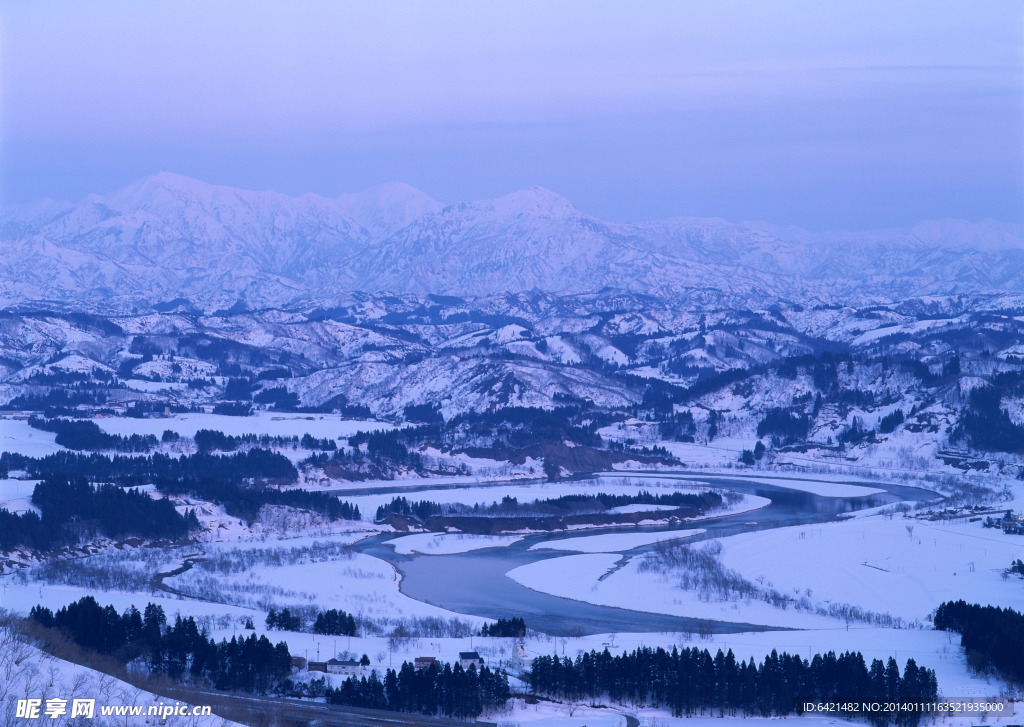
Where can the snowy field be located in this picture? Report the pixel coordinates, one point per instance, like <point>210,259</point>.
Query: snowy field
<point>905,567</point>
<point>20,598</point>
<point>823,485</point>
<point>155,386</point>
<point>329,426</point>
<point>28,672</point>
<point>600,578</point>
<point>413,484</point>
<point>449,543</point>
<point>361,585</point>
<point>889,565</point>
<point>16,495</point>
<point>240,580</point>
<point>626,509</point>
<point>613,542</point>
<point>585,715</point>
<point>367,586</point>
<point>817,486</point>
<point>901,567</point>
<point>17,436</point>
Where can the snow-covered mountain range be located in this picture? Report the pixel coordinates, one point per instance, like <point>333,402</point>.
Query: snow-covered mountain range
<point>170,237</point>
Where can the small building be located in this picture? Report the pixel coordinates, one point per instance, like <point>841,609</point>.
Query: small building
<point>317,666</point>
<point>470,658</point>
<point>298,662</point>
<point>423,662</point>
<point>348,667</point>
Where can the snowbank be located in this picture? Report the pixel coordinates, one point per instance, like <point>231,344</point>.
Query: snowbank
<point>613,542</point>
<point>449,543</point>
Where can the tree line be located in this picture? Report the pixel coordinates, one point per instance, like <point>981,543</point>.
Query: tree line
<point>890,421</point>
<point>507,428</point>
<point>238,482</point>
<point>180,650</point>
<point>332,622</point>
<point>253,465</point>
<point>691,681</point>
<point>566,504</point>
<point>703,500</point>
<point>86,435</point>
<point>387,448</point>
<point>74,510</point>
<point>213,440</point>
<point>513,627</point>
<point>449,690</point>
<point>986,425</point>
<point>521,427</point>
<point>399,505</point>
<point>246,501</point>
<point>784,423</point>
<point>993,637</point>
<point>62,398</point>
<point>284,620</point>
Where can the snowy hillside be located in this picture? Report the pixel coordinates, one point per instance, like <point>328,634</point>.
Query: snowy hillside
<point>890,385</point>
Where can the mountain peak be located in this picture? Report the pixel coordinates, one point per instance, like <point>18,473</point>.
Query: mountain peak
<point>539,201</point>
<point>159,190</point>
<point>387,207</point>
<point>391,191</point>
<point>170,181</point>
<point>173,179</point>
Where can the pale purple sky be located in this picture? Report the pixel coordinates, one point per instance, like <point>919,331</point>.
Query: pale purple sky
<point>852,114</point>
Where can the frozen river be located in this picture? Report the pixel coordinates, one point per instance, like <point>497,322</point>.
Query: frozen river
<point>475,582</point>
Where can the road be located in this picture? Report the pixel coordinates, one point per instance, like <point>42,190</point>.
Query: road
<point>258,711</point>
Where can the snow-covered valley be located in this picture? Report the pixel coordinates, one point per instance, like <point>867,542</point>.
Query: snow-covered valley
<point>619,472</point>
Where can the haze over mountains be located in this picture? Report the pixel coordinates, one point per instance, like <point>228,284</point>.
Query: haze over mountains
<point>168,237</point>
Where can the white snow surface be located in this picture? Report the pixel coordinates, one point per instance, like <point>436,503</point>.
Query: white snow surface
<point>580,714</point>
<point>819,487</point>
<point>600,578</point>
<point>17,436</point>
<point>169,236</point>
<point>613,542</point>
<point>16,495</point>
<point>448,543</point>
<point>901,567</point>
<point>824,485</point>
<point>261,422</point>
<point>625,509</point>
<point>368,587</point>
<point>905,567</point>
<point>29,672</point>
